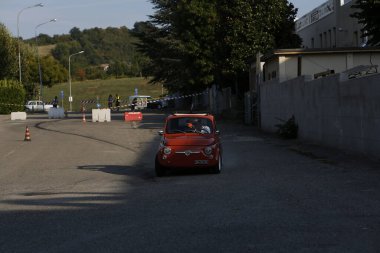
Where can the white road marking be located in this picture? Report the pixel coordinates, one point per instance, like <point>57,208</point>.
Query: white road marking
<point>9,153</point>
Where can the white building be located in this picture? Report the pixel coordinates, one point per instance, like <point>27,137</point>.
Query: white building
<point>330,25</point>
<point>286,64</point>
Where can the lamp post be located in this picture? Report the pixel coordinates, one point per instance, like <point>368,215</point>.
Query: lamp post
<point>18,35</point>
<point>70,97</point>
<point>38,55</point>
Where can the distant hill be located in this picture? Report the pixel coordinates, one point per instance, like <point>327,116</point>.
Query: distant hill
<point>112,47</point>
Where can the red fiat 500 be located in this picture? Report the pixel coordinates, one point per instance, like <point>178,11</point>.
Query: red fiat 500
<point>189,141</point>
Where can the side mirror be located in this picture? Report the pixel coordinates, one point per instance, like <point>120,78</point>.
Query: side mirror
<point>217,132</point>
<point>160,132</point>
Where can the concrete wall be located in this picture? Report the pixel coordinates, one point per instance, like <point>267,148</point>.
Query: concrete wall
<point>312,64</point>
<point>345,115</point>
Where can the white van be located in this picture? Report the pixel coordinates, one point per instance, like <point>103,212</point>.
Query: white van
<point>139,101</point>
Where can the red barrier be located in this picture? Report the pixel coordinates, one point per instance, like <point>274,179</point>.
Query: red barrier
<point>133,116</point>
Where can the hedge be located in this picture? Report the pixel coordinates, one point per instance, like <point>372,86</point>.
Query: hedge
<point>12,97</point>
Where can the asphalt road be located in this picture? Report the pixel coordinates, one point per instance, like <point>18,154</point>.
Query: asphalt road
<point>90,187</point>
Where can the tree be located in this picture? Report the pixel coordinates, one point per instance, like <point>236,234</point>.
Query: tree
<point>285,36</point>
<point>179,42</point>
<point>52,71</point>
<point>80,74</point>
<point>368,15</point>
<point>29,66</point>
<point>12,96</point>
<point>194,44</point>
<point>8,54</point>
<point>75,33</point>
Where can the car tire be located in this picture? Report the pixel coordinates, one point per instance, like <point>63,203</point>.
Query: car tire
<point>218,168</point>
<point>160,170</point>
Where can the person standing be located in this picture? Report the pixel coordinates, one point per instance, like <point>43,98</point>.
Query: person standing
<point>110,101</point>
<point>55,102</point>
<point>117,102</point>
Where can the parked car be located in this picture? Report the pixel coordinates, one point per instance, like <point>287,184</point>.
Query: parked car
<point>37,106</point>
<point>189,141</point>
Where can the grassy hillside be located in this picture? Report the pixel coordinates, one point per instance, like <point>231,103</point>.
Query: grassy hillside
<point>45,50</point>
<point>89,90</point>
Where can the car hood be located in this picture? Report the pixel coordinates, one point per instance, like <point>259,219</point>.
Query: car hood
<point>189,140</point>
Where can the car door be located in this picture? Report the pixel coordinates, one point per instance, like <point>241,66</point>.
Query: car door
<point>40,105</point>
<point>33,105</point>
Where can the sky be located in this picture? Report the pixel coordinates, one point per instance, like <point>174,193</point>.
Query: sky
<point>86,14</point>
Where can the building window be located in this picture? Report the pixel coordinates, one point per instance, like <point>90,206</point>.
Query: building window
<point>273,74</point>
<point>312,42</point>
<point>325,39</point>
<point>320,40</point>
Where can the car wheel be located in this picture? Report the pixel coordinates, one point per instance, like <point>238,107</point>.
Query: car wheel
<point>218,168</point>
<point>160,170</point>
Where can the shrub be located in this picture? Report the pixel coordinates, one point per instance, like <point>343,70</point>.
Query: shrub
<point>12,96</point>
<point>289,128</point>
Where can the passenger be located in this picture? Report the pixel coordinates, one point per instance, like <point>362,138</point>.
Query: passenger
<point>199,128</point>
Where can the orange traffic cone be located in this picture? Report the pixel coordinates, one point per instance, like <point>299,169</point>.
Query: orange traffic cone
<point>27,134</point>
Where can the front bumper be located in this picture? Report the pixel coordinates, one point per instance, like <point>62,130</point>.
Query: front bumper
<point>188,157</point>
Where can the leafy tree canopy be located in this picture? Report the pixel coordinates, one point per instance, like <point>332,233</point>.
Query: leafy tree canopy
<point>8,54</point>
<point>367,13</point>
<point>194,44</point>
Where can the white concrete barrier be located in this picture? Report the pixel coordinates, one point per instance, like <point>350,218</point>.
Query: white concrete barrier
<point>18,115</point>
<point>101,115</point>
<point>95,115</point>
<point>107,113</point>
<point>56,113</point>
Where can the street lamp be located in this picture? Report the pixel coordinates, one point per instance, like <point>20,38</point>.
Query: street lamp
<point>18,35</point>
<point>70,97</point>
<point>38,55</point>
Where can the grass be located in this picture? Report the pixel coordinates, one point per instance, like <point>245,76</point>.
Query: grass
<point>90,90</point>
<point>45,50</point>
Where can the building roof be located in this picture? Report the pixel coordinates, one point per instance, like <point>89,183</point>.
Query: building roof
<point>314,51</point>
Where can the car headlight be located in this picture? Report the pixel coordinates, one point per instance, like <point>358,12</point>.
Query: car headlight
<point>167,150</point>
<point>208,150</point>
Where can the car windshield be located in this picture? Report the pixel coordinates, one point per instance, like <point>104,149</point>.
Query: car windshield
<point>189,125</point>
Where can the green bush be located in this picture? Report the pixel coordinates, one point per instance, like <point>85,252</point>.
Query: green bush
<point>288,129</point>
<point>12,96</point>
